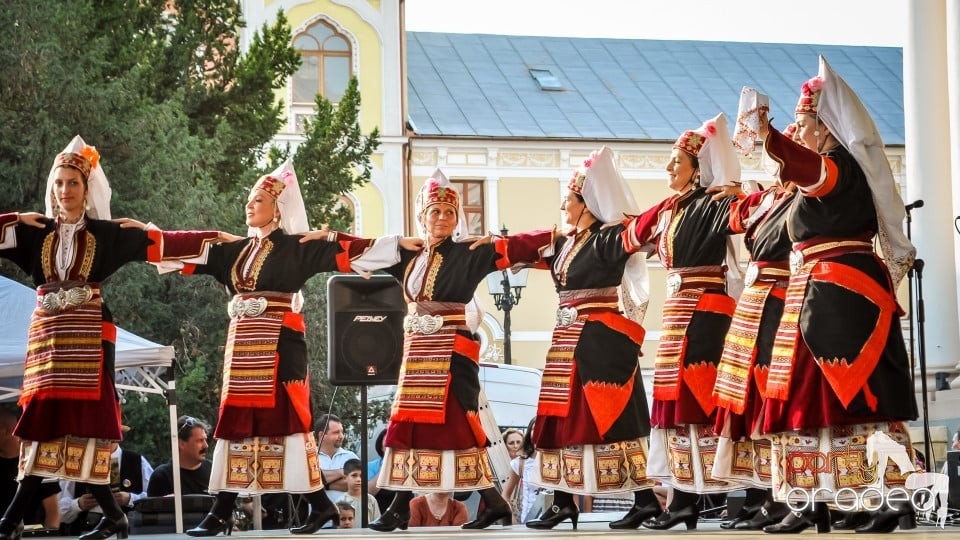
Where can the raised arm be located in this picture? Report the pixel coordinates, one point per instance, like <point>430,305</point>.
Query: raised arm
<point>815,175</point>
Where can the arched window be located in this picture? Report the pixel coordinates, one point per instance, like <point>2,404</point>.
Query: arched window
<point>345,202</point>
<point>326,66</point>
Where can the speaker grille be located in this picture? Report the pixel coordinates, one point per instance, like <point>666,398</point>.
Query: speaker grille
<point>366,332</point>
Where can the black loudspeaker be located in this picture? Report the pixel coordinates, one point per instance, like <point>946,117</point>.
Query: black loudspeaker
<point>953,473</point>
<point>365,330</point>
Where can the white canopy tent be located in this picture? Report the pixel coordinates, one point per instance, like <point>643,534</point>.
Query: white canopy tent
<point>139,362</point>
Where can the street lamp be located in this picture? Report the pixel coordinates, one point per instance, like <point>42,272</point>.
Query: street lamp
<point>505,287</point>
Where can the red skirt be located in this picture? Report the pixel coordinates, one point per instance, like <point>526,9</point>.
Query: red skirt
<point>812,403</point>
<point>237,423</point>
<point>739,426</point>
<point>679,412</point>
<point>49,419</point>
<point>453,434</point>
<point>291,412</point>
<point>577,428</point>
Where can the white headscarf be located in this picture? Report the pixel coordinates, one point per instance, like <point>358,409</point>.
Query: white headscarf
<point>852,126</point>
<point>79,155</point>
<point>719,166</point>
<point>608,197</point>
<point>293,213</point>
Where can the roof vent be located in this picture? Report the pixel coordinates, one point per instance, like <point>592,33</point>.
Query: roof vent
<point>546,79</point>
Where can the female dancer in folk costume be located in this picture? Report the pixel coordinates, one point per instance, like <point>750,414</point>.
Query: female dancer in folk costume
<point>839,369</point>
<point>690,231</point>
<point>435,441</point>
<point>264,432</point>
<point>70,408</point>
<point>742,456</point>
<point>592,417</point>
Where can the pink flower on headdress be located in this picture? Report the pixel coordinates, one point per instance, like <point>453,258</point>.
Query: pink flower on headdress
<point>709,128</point>
<point>287,178</point>
<point>812,86</point>
<point>587,163</point>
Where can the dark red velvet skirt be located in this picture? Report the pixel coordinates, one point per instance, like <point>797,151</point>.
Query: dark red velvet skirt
<point>49,419</point>
<point>282,419</point>
<point>812,403</point>
<point>453,434</point>
<point>236,423</point>
<point>739,426</point>
<point>683,411</point>
<point>577,428</point>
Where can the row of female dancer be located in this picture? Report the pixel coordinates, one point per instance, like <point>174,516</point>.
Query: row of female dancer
<point>781,398</point>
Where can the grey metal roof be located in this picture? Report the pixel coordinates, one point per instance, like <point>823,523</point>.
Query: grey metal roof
<point>479,85</point>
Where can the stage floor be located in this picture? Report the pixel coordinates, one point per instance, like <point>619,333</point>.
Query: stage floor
<point>589,529</point>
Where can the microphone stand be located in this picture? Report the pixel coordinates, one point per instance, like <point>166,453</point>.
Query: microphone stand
<point>913,358</point>
<point>922,357</point>
<point>915,289</point>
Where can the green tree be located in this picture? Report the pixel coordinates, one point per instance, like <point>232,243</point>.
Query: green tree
<point>332,161</point>
<point>181,116</point>
<point>335,158</point>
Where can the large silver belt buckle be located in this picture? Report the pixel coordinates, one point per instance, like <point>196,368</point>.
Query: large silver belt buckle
<point>796,261</point>
<point>251,307</point>
<point>66,298</point>
<point>566,315</point>
<point>674,282</point>
<point>750,277</point>
<point>422,324</point>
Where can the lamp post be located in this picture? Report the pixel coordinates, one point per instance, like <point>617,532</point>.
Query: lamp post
<point>505,287</point>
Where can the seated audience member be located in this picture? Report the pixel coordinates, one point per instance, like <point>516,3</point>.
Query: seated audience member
<point>44,508</point>
<point>437,509</point>
<point>194,466</point>
<point>332,455</point>
<point>347,515</point>
<point>354,473</point>
<point>129,480</point>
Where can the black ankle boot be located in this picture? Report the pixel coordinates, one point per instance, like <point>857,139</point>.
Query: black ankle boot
<point>796,522</point>
<point>10,530</point>
<point>752,503</point>
<point>392,520</point>
<point>885,521</point>
<point>770,513</point>
<point>213,525</point>
<point>637,515</point>
<point>322,510</point>
<point>556,515</point>
<point>667,519</point>
<point>496,508</point>
<point>851,521</point>
<point>397,514</point>
<point>108,527</point>
<point>316,520</point>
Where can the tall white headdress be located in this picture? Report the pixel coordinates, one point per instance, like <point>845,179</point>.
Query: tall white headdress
<point>84,158</point>
<point>282,185</point>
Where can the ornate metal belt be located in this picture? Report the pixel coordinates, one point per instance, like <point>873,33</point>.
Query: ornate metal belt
<point>65,299</point>
<point>249,307</point>
<point>422,324</point>
<point>674,282</point>
<point>566,315</point>
<point>796,261</point>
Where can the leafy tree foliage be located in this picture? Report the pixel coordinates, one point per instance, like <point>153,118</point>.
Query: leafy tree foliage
<point>182,117</point>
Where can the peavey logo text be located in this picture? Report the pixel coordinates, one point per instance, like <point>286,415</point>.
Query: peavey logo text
<point>370,318</point>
